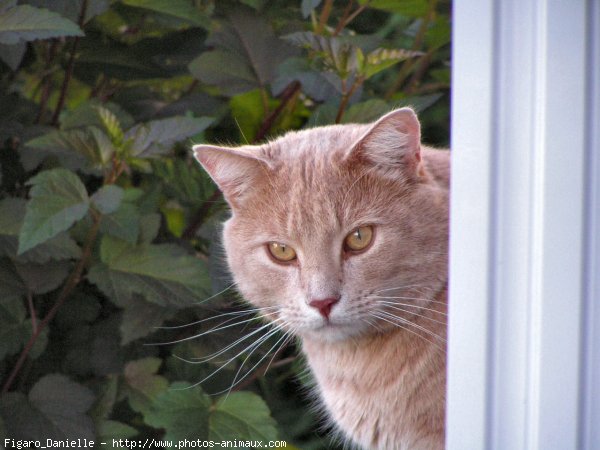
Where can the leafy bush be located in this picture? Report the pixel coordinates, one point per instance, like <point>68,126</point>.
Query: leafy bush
<point>109,230</point>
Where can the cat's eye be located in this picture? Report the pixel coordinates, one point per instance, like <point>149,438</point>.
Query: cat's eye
<point>281,252</point>
<point>359,239</point>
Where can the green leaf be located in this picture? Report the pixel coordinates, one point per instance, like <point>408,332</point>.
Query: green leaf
<point>307,6</point>
<point>182,412</point>
<point>143,386</point>
<point>54,409</point>
<point>248,112</point>
<point>112,126</point>
<point>92,143</point>
<point>43,278</point>
<point>158,136</point>
<point>409,8</point>
<point>181,9</point>
<point>163,274</point>
<point>58,200</point>
<point>12,213</point>
<point>366,112</point>
<point>107,199</point>
<point>12,55</point>
<point>336,54</point>
<point>244,416</point>
<point>14,330</point>
<point>26,23</point>
<point>111,432</point>
<point>183,181</point>
<point>88,114</point>
<point>71,9</point>
<point>124,223</point>
<point>383,58</point>
<point>141,318</point>
<point>319,86</point>
<point>246,56</point>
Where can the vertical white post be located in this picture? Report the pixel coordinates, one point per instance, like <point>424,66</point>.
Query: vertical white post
<point>524,351</point>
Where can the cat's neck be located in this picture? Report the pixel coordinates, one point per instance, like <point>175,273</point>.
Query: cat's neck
<point>387,390</point>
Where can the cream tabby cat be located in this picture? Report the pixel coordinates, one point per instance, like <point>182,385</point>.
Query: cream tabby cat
<point>342,231</point>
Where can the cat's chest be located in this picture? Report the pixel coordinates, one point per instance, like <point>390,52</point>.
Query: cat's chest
<point>374,396</point>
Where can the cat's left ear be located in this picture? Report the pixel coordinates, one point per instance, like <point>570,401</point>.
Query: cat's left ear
<point>391,145</point>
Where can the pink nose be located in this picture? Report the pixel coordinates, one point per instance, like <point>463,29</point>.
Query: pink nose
<point>324,306</point>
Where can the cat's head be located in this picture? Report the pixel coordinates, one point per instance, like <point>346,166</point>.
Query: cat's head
<point>329,224</point>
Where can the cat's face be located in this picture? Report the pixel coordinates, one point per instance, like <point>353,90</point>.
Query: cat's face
<point>330,224</point>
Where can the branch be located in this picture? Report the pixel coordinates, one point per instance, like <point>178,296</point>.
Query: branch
<point>347,19</point>
<point>288,93</point>
<point>346,96</point>
<point>69,71</point>
<point>200,215</point>
<point>325,13</point>
<point>72,281</point>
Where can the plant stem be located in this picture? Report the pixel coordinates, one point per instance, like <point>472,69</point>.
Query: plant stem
<point>346,20</point>
<point>346,96</point>
<point>325,13</point>
<point>409,64</point>
<point>32,313</point>
<point>69,71</point>
<point>72,281</point>
<point>288,93</point>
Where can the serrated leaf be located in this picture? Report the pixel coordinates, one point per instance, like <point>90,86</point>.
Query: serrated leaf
<point>112,126</point>
<point>14,330</point>
<point>124,223</point>
<point>158,136</point>
<point>71,9</point>
<point>319,86</point>
<point>12,55</point>
<point>54,409</point>
<point>58,200</point>
<point>244,416</point>
<point>107,199</point>
<point>366,112</point>
<point>12,213</point>
<point>149,228</point>
<point>26,23</point>
<point>87,114</point>
<point>163,274</point>
<point>336,54</point>
<point>307,6</point>
<point>383,58</point>
<point>183,413</point>
<point>409,8</point>
<point>43,278</point>
<point>181,9</point>
<point>112,432</point>
<point>140,318</point>
<point>142,383</point>
<point>91,143</point>
<point>246,56</point>
<point>183,181</point>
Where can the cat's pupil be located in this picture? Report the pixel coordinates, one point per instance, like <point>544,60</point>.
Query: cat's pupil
<point>357,233</point>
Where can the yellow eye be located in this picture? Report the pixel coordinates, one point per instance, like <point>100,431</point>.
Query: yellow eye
<point>359,239</point>
<point>281,252</point>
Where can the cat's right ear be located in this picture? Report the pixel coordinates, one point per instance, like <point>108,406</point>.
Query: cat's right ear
<point>233,169</point>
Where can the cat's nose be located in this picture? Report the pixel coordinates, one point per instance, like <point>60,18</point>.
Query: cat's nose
<point>324,305</point>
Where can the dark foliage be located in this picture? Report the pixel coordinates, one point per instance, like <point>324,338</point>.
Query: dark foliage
<point>108,228</point>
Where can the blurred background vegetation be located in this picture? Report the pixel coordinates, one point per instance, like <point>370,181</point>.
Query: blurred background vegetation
<point>109,229</point>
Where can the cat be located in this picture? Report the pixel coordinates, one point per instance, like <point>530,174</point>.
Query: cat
<point>340,234</point>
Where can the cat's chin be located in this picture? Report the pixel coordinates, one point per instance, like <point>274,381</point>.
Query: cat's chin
<point>333,332</point>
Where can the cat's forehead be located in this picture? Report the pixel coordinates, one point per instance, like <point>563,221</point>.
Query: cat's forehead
<point>316,143</point>
<point>311,191</point>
